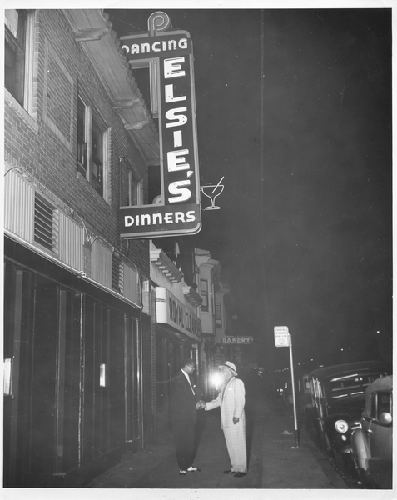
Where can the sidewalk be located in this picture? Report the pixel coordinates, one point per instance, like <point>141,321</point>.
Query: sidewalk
<point>285,466</point>
<point>274,462</point>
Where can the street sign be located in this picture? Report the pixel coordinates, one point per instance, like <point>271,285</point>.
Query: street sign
<point>282,336</point>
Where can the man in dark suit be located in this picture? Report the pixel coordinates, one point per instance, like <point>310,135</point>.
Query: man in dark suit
<point>184,405</point>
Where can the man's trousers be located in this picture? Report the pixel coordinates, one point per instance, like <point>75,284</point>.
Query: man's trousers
<point>236,446</point>
<point>184,435</point>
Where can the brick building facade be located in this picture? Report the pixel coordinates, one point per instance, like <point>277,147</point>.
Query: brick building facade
<point>77,322</point>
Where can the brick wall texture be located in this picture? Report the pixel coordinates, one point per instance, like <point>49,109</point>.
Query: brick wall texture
<point>44,143</point>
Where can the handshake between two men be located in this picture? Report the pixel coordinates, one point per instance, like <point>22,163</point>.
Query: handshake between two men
<point>200,405</point>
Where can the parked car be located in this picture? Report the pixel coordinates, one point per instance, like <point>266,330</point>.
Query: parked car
<point>304,396</point>
<point>337,400</point>
<point>372,440</point>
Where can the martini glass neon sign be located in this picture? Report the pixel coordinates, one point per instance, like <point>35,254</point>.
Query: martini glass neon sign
<point>212,192</point>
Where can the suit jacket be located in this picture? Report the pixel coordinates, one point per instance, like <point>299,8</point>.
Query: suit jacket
<point>232,402</point>
<point>183,401</point>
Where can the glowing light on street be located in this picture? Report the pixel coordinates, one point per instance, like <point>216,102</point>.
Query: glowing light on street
<point>216,380</point>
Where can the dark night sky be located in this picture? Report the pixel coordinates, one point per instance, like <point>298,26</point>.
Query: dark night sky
<point>294,110</point>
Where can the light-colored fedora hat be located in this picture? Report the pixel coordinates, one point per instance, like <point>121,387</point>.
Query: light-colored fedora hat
<point>231,366</point>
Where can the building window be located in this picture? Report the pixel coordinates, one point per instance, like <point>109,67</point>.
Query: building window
<point>218,314</point>
<point>92,147</point>
<point>97,157</point>
<point>18,57</point>
<point>154,184</point>
<point>134,189</point>
<point>81,135</point>
<point>45,224</point>
<point>204,294</point>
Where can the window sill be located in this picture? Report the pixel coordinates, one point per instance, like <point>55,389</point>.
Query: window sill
<point>26,117</point>
<point>91,189</point>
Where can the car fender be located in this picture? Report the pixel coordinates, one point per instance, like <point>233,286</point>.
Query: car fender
<point>361,449</point>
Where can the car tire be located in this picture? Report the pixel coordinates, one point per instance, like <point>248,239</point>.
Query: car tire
<point>319,438</point>
<point>340,461</point>
<point>366,480</point>
<point>325,444</point>
<point>322,440</point>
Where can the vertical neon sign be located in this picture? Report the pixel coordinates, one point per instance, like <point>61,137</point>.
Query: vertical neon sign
<point>172,81</point>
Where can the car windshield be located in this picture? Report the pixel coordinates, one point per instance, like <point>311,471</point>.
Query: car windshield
<point>350,386</point>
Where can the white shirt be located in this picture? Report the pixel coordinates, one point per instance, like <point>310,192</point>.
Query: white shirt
<point>188,379</point>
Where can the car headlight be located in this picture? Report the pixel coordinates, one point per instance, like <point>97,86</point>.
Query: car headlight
<point>341,426</point>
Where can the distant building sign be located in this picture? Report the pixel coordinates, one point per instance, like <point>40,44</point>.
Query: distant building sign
<point>169,310</point>
<point>178,211</point>
<point>237,340</point>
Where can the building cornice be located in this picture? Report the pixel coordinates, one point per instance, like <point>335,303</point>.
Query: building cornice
<point>165,264</point>
<point>93,31</point>
<point>192,296</point>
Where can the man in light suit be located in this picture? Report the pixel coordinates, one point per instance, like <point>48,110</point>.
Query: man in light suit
<point>231,399</point>
<point>184,405</point>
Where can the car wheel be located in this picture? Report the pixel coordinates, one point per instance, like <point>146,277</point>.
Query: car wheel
<point>309,428</point>
<point>340,461</point>
<point>325,444</point>
<point>321,437</point>
<point>366,480</point>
